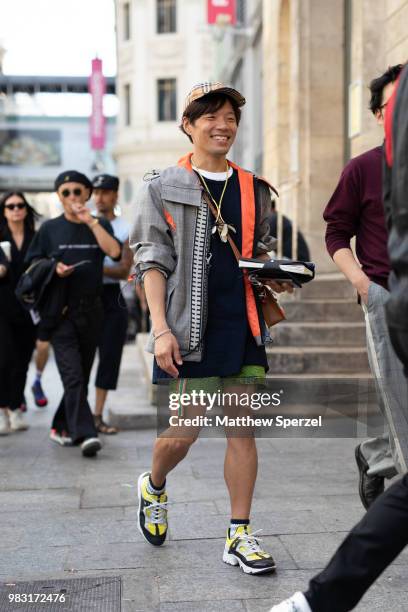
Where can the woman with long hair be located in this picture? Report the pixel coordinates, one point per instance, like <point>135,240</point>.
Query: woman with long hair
<point>17,331</point>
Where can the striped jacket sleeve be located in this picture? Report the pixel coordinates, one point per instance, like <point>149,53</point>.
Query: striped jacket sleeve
<point>150,238</point>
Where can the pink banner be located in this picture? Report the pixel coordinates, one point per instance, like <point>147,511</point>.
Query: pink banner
<point>97,89</point>
<point>221,12</point>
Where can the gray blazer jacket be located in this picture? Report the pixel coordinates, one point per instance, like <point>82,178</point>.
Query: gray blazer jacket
<point>171,232</point>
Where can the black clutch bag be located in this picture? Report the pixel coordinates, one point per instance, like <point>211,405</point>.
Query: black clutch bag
<point>285,270</point>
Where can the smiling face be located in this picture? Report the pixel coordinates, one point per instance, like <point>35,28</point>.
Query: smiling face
<point>213,133</point>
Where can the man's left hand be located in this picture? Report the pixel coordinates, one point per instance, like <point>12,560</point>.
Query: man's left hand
<point>278,287</point>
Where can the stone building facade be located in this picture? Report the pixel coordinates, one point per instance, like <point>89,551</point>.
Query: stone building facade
<point>318,57</point>
<point>304,67</point>
<point>163,49</point>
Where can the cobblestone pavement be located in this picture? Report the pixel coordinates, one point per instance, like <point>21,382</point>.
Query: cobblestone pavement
<point>63,516</point>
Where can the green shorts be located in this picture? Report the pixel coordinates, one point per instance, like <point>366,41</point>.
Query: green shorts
<point>249,375</point>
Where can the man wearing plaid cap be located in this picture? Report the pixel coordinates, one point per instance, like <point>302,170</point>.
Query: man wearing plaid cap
<point>207,333</point>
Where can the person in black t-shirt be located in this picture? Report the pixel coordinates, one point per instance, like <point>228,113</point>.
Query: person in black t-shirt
<point>79,243</point>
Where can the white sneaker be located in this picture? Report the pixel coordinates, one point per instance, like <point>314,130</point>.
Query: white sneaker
<point>296,603</point>
<point>243,549</point>
<point>60,438</point>
<point>4,423</point>
<point>90,447</point>
<point>17,421</point>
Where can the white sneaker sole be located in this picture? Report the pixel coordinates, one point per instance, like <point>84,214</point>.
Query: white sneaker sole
<point>232,560</point>
<point>90,449</point>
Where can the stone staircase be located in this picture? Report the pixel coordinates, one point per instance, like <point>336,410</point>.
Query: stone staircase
<point>323,335</point>
<point>323,338</point>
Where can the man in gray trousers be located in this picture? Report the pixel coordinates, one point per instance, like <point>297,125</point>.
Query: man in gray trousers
<point>356,209</point>
<point>382,533</point>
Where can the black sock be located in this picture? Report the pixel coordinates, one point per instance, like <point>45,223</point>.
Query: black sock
<point>234,523</point>
<point>154,488</point>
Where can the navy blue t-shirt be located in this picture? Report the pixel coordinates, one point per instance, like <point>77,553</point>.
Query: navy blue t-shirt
<point>228,341</point>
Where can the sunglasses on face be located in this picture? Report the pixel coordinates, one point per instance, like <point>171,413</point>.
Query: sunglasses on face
<point>19,206</point>
<point>67,192</point>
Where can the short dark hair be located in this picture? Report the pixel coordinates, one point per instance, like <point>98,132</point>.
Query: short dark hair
<point>29,221</point>
<point>377,86</point>
<point>210,103</point>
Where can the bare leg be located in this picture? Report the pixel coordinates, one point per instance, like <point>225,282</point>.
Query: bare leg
<point>173,445</point>
<point>41,355</point>
<point>240,470</point>
<point>241,458</point>
<point>42,350</point>
<point>100,399</point>
<point>167,453</point>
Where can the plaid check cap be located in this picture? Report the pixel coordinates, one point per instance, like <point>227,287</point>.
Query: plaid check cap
<point>203,89</point>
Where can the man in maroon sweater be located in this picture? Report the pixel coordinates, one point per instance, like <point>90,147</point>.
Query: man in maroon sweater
<point>356,209</point>
<point>382,533</point>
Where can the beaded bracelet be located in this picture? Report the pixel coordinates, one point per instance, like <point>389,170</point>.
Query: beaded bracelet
<point>166,331</point>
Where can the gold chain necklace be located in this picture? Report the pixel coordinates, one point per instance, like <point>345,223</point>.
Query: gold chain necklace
<point>220,224</point>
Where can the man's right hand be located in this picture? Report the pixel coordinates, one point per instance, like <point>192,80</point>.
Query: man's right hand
<point>166,351</point>
<point>347,263</point>
<point>63,270</point>
<point>362,285</point>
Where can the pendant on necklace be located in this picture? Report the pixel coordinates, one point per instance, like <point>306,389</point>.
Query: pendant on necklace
<point>223,229</point>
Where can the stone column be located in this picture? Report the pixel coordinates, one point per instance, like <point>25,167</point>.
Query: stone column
<point>303,110</point>
<point>367,61</point>
<point>396,32</point>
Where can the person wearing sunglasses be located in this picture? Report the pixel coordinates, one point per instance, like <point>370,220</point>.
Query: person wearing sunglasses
<point>79,243</point>
<point>17,331</point>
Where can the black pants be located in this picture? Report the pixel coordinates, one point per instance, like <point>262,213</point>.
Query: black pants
<point>365,553</point>
<point>74,342</point>
<point>17,341</point>
<point>112,337</point>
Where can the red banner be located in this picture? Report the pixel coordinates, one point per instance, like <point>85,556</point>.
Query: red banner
<point>97,89</point>
<point>222,12</point>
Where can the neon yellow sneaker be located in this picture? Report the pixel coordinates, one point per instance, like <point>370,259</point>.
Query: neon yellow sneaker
<point>243,549</point>
<point>152,521</point>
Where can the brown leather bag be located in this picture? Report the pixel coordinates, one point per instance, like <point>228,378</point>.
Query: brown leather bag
<point>272,312</point>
